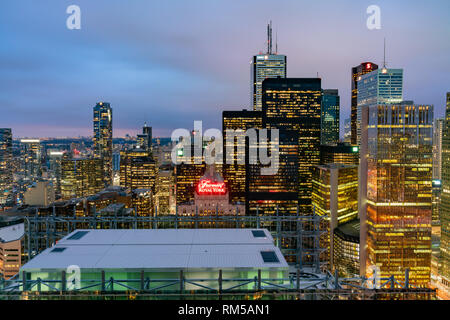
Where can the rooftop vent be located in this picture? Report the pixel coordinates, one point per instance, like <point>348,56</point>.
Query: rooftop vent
<point>259,234</point>
<point>78,235</point>
<point>58,250</point>
<point>269,256</point>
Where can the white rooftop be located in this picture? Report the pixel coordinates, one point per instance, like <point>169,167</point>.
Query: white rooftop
<point>12,233</point>
<point>160,250</point>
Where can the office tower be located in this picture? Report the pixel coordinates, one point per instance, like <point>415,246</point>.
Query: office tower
<point>137,170</point>
<point>264,66</point>
<point>343,153</point>
<point>445,202</point>
<point>346,246</point>
<point>329,120</point>
<point>357,72</point>
<point>116,161</point>
<point>437,148</point>
<point>396,191</point>
<point>189,169</point>
<point>81,177</point>
<point>103,134</point>
<point>6,174</point>
<point>31,158</point>
<point>348,131</point>
<point>165,191</point>
<point>142,202</point>
<point>235,173</point>
<point>293,104</point>
<point>144,139</point>
<point>382,86</point>
<point>54,165</point>
<point>334,197</point>
<point>277,193</point>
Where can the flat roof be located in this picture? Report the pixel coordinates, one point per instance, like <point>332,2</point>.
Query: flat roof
<point>160,250</point>
<point>12,232</point>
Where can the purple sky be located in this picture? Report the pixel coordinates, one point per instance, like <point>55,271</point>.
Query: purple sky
<point>172,62</point>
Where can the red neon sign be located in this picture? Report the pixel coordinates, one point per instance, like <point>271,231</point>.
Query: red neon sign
<point>206,186</point>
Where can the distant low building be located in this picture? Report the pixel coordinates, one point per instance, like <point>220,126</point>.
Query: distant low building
<point>11,234</point>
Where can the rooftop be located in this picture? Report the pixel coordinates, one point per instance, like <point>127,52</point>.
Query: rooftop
<point>162,249</point>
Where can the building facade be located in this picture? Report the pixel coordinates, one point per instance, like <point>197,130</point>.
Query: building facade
<point>357,72</point>
<point>103,133</point>
<point>342,153</point>
<point>137,170</point>
<point>396,207</point>
<point>294,105</point>
<point>6,173</point>
<point>81,177</point>
<point>329,119</point>
<point>437,148</point>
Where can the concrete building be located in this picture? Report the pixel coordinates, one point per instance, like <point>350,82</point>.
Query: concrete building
<point>41,193</point>
<point>11,234</point>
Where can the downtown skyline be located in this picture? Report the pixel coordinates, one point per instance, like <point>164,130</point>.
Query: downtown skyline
<point>171,67</point>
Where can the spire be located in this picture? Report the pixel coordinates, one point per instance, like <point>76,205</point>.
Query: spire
<point>384,70</point>
<point>276,42</point>
<point>269,38</point>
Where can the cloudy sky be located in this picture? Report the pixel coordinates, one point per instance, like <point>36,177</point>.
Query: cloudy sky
<point>171,62</point>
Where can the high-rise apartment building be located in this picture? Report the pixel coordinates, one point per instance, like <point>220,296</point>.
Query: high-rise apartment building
<point>235,173</point>
<point>294,104</point>
<point>81,177</point>
<point>6,174</point>
<point>395,189</point>
<point>329,120</point>
<point>357,72</point>
<point>103,133</point>
<point>445,202</point>
<point>265,66</point>
<point>437,148</point>
<point>382,86</point>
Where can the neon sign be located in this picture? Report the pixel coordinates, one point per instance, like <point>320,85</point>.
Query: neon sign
<point>207,186</point>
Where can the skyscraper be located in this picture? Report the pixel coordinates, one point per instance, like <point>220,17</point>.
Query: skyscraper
<point>339,153</point>
<point>81,177</point>
<point>30,154</point>
<point>382,86</point>
<point>357,72</point>
<point>6,175</point>
<point>294,104</point>
<point>437,148</point>
<point>445,201</point>
<point>329,120</point>
<point>264,66</point>
<point>235,173</point>
<point>395,190</point>
<point>103,138</point>
<point>145,139</point>
<point>137,170</point>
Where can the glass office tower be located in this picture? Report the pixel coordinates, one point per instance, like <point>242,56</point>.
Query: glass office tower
<point>445,202</point>
<point>264,66</point>
<point>144,139</point>
<point>382,86</point>
<point>6,175</point>
<point>103,138</point>
<point>294,104</point>
<point>137,170</point>
<point>357,72</point>
<point>235,173</point>
<point>396,208</point>
<point>437,148</point>
<point>329,120</point>
<point>81,177</point>
<point>31,154</point>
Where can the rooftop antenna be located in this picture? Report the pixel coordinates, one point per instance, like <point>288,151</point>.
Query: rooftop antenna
<point>269,38</point>
<point>384,54</point>
<point>276,42</point>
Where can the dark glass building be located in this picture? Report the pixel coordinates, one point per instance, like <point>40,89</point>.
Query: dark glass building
<point>343,153</point>
<point>103,139</point>
<point>329,120</point>
<point>6,175</point>
<point>294,104</point>
<point>357,72</point>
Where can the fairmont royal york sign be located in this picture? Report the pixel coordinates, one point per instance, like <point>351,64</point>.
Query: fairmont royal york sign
<point>208,187</point>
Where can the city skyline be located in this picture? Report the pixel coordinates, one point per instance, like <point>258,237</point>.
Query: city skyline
<point>142,66</point>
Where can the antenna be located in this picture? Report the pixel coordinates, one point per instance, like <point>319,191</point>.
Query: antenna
<point>276,42</point>
<point>269,38</point>
<point>384,55</point>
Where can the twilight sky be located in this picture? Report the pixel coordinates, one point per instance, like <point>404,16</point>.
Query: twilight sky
<point>170,62</point>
